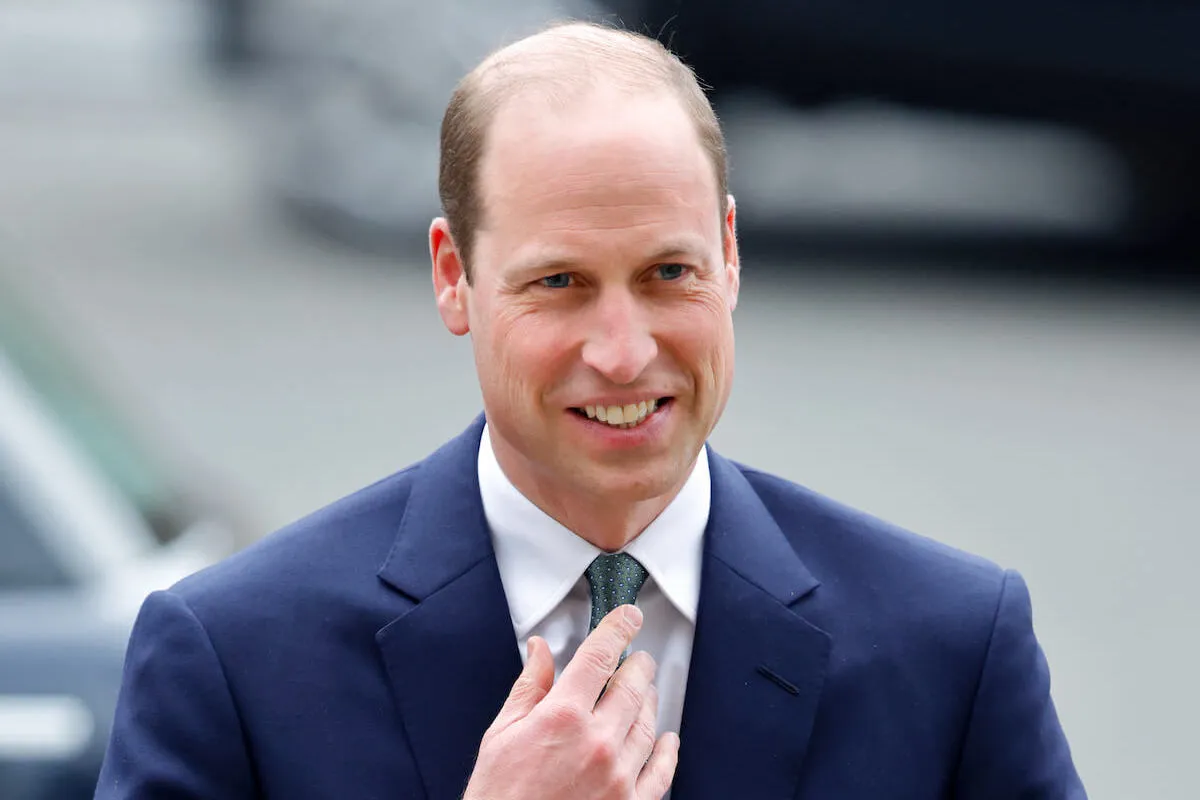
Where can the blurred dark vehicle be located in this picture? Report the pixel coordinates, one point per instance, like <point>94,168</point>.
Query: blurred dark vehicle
<point>89,524</point>
<point>1125,71</point>
<point>351,94</point>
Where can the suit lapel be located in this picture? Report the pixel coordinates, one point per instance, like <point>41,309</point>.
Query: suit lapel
<point>757,666</point>
<point>452,657</point>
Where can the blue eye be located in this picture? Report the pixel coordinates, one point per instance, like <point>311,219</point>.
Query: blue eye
<point>671,272</point>
<point>559,280</point>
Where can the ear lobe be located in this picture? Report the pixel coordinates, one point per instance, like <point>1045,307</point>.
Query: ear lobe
<point>449,278</point>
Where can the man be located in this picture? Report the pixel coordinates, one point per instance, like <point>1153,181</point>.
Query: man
<point>748,639</point>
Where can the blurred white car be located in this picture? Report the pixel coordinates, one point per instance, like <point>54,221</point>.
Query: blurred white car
<point>88,527</point>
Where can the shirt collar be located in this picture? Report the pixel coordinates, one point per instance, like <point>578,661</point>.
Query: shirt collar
<point>540,559</point>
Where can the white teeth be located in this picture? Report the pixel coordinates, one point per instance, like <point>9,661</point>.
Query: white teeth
<point>627,416</point>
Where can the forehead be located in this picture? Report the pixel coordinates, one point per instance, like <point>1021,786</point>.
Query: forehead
<point>605,167</point>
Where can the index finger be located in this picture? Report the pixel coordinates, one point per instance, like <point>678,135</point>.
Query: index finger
<point>584,678</point>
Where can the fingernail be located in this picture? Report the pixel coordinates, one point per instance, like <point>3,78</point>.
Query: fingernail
<point>633,615</point>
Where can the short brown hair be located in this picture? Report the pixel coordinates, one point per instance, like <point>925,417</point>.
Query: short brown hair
<point>557,61</point>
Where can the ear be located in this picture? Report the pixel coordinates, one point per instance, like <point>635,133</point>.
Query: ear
<point>449,278</point>
<point>733,264</point>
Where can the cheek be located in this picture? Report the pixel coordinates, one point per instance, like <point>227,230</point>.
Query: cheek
<point>528,352</point>
<point>703,336</point>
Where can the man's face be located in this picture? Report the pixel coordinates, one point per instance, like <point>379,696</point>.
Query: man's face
<point>604,277</point>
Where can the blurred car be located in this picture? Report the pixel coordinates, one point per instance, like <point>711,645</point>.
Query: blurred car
<point>345,100</point>
<point>88,526</point>
<point>1124,71</point>
<point>349,95</point>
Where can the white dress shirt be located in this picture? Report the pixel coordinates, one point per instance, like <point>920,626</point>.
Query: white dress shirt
<point>542,568</point>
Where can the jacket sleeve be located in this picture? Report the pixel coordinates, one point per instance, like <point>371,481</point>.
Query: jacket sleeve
<point>1014,745</point>
<point>176,734</point>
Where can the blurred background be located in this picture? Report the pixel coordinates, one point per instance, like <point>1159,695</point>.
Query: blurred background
<point>969,239</point>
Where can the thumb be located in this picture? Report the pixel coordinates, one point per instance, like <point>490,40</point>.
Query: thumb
<point>534,682</point>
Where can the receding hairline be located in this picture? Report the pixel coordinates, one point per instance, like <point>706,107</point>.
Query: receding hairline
<point>561,64</point>
<point>566,63</point>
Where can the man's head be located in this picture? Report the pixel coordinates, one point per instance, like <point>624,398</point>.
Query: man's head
<point>558,65</point>
<point>589,249</point>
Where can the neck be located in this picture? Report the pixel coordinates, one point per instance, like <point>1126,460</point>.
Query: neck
<point>610,526</point>
<point>609,523</point>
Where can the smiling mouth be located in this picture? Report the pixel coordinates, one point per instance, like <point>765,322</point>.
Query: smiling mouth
<point>627,416</point>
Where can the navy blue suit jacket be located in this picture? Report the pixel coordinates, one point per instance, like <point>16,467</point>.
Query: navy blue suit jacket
<point>361,653</point>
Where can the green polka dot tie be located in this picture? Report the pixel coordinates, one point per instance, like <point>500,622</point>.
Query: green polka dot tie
<point>615,579</point>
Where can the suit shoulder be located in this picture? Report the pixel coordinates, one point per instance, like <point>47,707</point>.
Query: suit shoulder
<point>350,535</point>
<point>827,533</point>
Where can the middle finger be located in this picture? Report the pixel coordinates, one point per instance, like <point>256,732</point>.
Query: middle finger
<point>625,695</point>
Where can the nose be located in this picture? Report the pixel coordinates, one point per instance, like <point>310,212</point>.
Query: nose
<point>620,344</point>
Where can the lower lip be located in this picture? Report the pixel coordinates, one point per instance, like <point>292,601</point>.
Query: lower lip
<point>645,432</point>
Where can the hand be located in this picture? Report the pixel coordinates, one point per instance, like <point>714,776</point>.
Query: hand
<point>554,741</point>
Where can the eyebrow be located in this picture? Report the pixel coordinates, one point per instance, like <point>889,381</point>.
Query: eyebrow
<point>689,249</point>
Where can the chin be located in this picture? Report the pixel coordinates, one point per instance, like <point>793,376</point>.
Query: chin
<point>619,485</point>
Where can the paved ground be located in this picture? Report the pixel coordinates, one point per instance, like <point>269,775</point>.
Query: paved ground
<point>1055,431</point>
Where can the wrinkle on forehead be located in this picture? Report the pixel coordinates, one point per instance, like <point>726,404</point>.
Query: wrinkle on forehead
<point>559,68</point>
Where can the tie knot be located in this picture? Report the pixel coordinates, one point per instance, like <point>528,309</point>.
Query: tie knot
<point>615,580</point>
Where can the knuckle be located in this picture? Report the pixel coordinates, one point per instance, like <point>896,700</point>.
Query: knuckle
<point>628,692</point>
<point>563,716</point>
<point>644,730</point>
<point>520,689</point>
<point>603,756</point>
<point>598,659</point>
<point>623,786</point>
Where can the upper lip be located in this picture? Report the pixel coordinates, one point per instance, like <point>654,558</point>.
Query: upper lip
<point>625,399</point>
